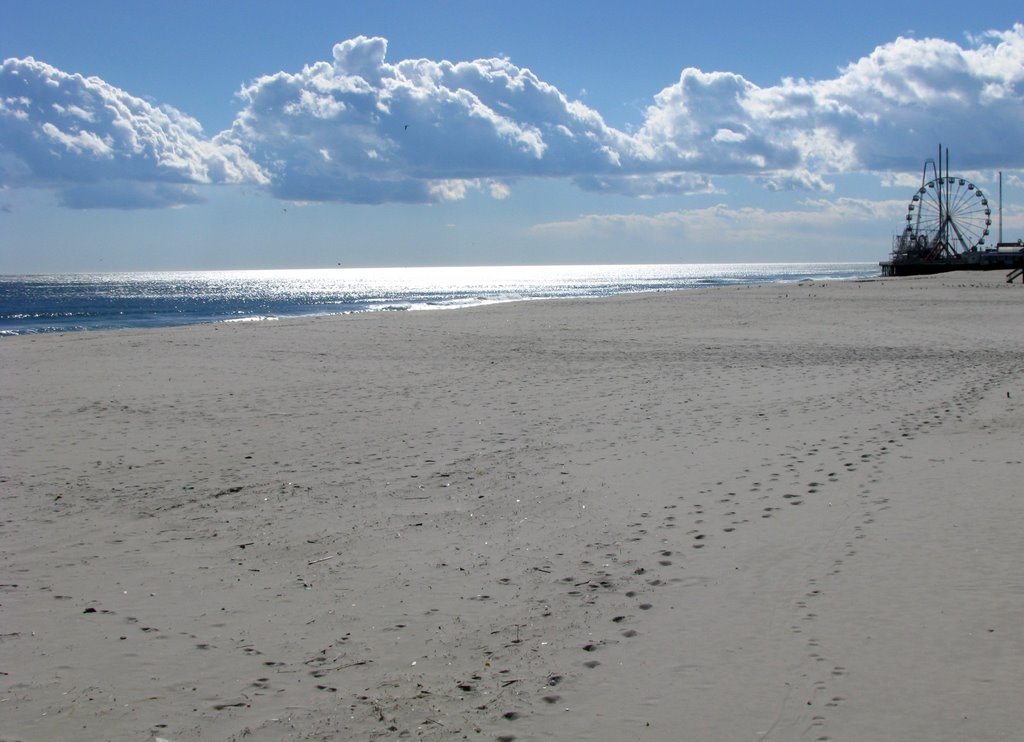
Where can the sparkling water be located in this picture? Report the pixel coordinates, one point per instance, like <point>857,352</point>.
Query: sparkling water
<point>106,301</point>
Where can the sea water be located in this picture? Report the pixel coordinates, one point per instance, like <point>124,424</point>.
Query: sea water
<point>107,301</point>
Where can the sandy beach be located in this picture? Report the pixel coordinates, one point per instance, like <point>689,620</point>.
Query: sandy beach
<point>779,512</point>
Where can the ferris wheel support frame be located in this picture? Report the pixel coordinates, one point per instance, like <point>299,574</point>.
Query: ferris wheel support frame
<point>950,220</point>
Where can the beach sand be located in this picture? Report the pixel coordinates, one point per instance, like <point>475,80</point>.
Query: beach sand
<point>745,513</point>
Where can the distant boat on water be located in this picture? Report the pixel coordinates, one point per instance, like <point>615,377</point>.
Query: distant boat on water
<point>947,224</point>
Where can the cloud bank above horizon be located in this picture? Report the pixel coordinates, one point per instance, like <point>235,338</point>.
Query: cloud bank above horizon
<point>359,129</point>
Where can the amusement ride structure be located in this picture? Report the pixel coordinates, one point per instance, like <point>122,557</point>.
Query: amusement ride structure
<point>947,222</point>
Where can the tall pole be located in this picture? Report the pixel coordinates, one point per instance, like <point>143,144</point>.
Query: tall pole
<point>938,196</point>
<point>945,222</point>
<point>940,233</point>
<point>1000,206</point>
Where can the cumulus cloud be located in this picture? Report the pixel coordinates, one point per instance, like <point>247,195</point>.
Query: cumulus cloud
<point>358,128</point>
<point>100,146</point>
<point>876,115</point>
<point>709,122</point>
<point>972,99</point>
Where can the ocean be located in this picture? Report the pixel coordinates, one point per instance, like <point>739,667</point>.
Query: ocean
<point>112,301</point>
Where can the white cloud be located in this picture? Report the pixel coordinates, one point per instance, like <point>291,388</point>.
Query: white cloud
<point>795,180</point>
<point>876,115</point>
<point>100,146</point>
<point>400,132</point>
<point>396,130</point>
<point>710,122</point>
<point>79,142</point>
<point>722,223</point>
<point>911,94</point>
<point>498,190</point>
<point>647,185</point>
<point>357,128</point>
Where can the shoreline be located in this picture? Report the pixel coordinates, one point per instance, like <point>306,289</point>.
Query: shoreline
<point>776,511</point>
<point>147,300</point>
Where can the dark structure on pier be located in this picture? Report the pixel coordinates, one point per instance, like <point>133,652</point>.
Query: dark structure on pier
<point>948,220</point>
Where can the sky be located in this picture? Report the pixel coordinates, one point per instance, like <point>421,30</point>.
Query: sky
<point>228,135</point>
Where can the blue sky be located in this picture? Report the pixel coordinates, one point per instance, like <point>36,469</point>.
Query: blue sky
<point>193,135</point>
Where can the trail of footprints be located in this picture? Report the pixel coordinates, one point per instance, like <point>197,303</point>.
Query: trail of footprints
<point>637,580</point>
<point>811,471</point>
<point>667,538</point>
<point>829,674</point>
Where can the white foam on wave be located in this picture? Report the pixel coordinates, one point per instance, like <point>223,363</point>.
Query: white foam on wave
<point>251,319</point>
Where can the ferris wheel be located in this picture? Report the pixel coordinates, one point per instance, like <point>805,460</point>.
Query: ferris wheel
<point>949,216</point>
